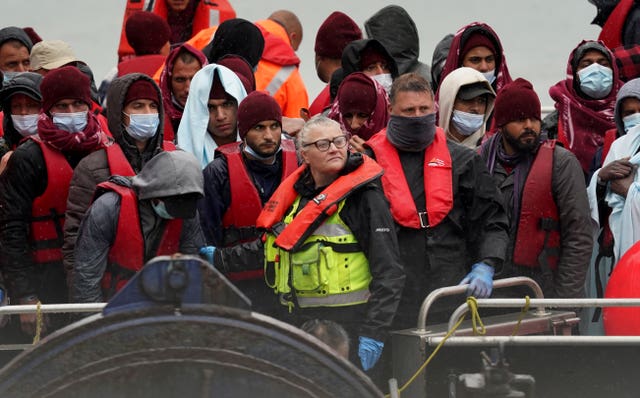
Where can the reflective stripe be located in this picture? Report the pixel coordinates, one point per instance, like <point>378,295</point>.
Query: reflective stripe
<point>327,229</point>
<point>279,78</point>
<point>359,297</point>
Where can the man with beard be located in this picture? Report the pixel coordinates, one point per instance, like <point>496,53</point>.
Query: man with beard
<point>544,192</point>
<point>238,182</point>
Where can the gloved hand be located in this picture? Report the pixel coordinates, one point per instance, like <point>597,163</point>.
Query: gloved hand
<point>206,252</point>
<point>480,280</point>
<point>369,351</point>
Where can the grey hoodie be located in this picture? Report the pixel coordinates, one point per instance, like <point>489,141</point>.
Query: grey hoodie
<point>169,173</point>
<point>630,89</point>
<point>393,27</point>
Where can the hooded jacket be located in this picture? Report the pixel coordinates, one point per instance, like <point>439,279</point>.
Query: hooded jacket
<point>352,55</point>
<point>27,83</point>
<point>454,58</point>
<point>172,110</point>
<point>168,174</point>
<point>448,92</point>
<point>193,135</point>
<point>94,168</point>
<point>438,60</point>
<point>396,31</point>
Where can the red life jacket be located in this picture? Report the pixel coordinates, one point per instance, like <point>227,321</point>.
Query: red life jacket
<point>47,212</point>
<point>147,64</point>
<point>118,163</point>
<point>611,33</point>
<point>438,181</point>
<point>538,238</point>
<point>126,255</point>
<point>609,137</point>
<point>246,205</point>
<point>323,205</point>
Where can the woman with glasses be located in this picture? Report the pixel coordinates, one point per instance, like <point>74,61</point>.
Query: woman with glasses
<point>331,250</point>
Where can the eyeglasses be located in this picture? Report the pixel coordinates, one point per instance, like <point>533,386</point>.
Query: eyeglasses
<point>324,144</point>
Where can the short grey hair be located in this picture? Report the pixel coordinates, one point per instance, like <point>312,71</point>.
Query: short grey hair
<point>318,121</point>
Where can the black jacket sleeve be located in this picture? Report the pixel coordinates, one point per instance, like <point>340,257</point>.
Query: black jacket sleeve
<point>215,203</point>
<point>366,213</point>
<point>24,179</point>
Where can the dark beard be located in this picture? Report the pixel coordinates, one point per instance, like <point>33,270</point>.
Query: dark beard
<point>522,146</point>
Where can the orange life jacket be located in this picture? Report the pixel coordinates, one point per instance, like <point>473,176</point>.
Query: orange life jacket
<point>438,181</point>
<point>245,206</point>
<point>126,255</point>
<point>47,212</point>
<point>537,241</point>
<point>322,206</point>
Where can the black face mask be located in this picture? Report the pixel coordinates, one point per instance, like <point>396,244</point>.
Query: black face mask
<point>411,134</point>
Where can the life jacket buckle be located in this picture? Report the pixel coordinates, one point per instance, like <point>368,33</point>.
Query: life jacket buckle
<point>424,220</point>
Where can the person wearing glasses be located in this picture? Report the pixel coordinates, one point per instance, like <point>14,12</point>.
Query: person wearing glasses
<point>330,247</point>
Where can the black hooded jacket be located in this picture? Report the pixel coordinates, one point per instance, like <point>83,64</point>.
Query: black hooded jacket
<point>94,169</point>
<point>395,30</point>
<point>27,83</point>
<point>352,55</point>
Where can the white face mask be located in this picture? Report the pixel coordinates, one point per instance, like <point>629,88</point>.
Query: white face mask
<point>26,125</point>
<point>72,122</point>
<point>385,80</point>
<point>142,126</point>
<point>631,121</point>
<point>490,76</point>
<point>467,123</point>
<point>596,80</point>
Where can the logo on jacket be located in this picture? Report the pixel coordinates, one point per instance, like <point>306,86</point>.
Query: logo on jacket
<point>435,162</point>
<point>318,199</point>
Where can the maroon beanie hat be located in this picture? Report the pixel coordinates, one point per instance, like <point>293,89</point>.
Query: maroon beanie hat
<point>217,91</point>
<point>477,40</point>
<point>516,101</point>
<point>35,37</point>
<point>142,89</point>
<point>66,82</point>
<point>242,69</point>
<point>370,55</point>
<point>255,108</point>
<point>357,94</point>
<point>334,34</point>
<point>147,32</point>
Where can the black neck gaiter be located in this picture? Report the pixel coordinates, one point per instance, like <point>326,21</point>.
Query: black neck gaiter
<point>411,134</point>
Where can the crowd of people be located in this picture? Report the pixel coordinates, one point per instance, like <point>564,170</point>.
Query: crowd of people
<point>340,214</point>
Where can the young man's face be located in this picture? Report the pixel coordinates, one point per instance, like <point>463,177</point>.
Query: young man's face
<point>223,117</point>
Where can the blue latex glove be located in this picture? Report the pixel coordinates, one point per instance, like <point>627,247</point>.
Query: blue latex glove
<point>369,351</point>
<point>480,280</point>
<point>206,252</point>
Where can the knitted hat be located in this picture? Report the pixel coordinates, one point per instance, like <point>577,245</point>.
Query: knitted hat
<point>142,89</point>
<point>357,94</point>
<point>15,33</point>
<point>217,91</point>
<point>476,40</point>
<point>334,34</point>
<point>33,35</point>
<point>64,83</point>
<point>147,32</point>
<point>371,55</point>
<point>255,108</point>
<point>51,54</point>
<point>242,69</point>
<point>516,101</point>
<point>579,52</point>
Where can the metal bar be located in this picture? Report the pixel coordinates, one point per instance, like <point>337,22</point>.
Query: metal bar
<point>52,308</point>
<point>453,290</point>
<point>536,340</point>
<point>548,303</point>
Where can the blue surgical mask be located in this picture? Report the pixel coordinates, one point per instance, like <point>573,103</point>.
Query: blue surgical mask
<point>9,75</point>
<point>467,123</point>
<point>385,80</point>
<point>161,210</point>
<point>631,121</point>
<point>142,126</point>
<point>490,76</point>
<point>26,125</point>
<point>596,80</point>
<point>72,122</point>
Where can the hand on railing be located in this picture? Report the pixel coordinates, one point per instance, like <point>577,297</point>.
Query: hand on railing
<point>29,322</point>
<point>480,280</point>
